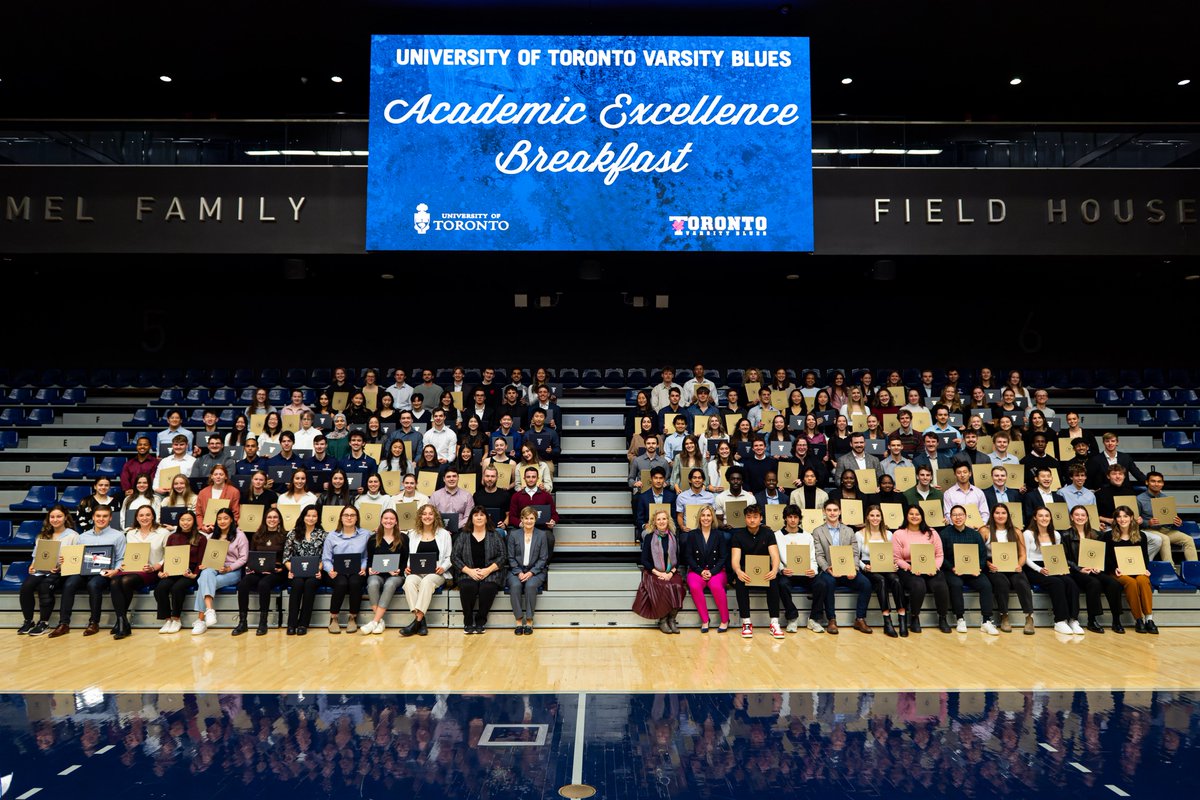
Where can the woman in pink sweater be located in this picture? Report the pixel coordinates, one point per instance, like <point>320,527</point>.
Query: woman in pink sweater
<point>917,581</point>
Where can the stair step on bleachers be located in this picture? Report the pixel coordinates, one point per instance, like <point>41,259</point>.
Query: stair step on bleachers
<point>574,444</point>
<point>583,534</point>
<point>111,419</point>
<point>573,421</point>
<point>597,470</point>
<point>599,501</point>
<point>66,445</point>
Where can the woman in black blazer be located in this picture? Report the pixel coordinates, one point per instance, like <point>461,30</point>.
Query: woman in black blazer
<point>707,557</point>
<point>478,557</point>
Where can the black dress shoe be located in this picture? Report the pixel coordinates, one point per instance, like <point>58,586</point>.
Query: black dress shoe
<point>1151,627</point>
<point>914,624</point>
<point>291,631</point>
<point>122,629</point>
<point>903,625</point>
<point>519,630</point>
<point>1094,626</point>
<point>411,628</point>
<point>262,628</point>
<point>240,628</point>
<point>302,631</point>
<point>26,627</point>
<point>1139,626</point>
<point>422,628</point>
<point>943,625</point>
<point>529,630</point>
<point>1117,627</point>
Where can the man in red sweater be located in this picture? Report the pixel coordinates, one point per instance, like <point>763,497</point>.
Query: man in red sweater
<point>141,464</point>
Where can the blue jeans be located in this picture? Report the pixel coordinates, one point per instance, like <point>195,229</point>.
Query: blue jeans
<point>210,580</point>
<point>859,583</point>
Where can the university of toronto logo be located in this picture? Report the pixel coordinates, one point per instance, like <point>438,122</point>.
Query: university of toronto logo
<point>421,219</point>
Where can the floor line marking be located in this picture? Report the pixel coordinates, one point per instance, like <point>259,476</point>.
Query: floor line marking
<point>30,793</point>
<point>1045,746</point>
<point>105,749</point>
<point>580,723</point>
<point>69,769</point>
<point>1079,766</point>
<point>1114,789</point>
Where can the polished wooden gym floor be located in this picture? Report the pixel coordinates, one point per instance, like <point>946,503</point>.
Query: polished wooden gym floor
<point>604,660</point>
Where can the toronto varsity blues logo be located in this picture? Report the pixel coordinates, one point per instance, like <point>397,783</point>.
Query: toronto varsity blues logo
<point>718,225</point>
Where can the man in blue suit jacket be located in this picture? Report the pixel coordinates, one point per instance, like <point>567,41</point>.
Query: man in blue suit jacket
<point>933,458</point>
<point>658,492</point>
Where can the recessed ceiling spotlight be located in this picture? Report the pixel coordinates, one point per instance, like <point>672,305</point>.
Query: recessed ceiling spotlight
<point>793,277</point>
<point>165,78</point>
<point>387,276</point>
<point>1191,277</point>
<point>1184,82</point>
<point>336,78</point>
<point>847,81</point>
<point>1015,82</point>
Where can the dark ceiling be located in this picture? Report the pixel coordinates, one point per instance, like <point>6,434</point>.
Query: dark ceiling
<point>916,60</point>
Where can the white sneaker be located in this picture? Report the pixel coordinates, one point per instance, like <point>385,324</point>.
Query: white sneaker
<point>380,626</point>
<point>776,631</point>
<point>815,626</point>
<point>198,627</point>
<point>368,629</point>
<point>1062,627</point>
<point>793,626</point>
<point>1076,628</point>
<point>990,629</point>
<point>210,617</point>
<point>962,625</point>
<point>166,628</point>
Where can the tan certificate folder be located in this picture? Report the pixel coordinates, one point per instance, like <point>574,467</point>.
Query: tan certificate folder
<point>137,554</point>
<point>1129,560</point>
<point>1005,556</point>
<point>1091,554</point>
<point>756,569</point>
<point>175,559</point>
<point>841,560</point>
<point>966,559</point>
<point>72,556</point>
<point>45,557</point>
<point>923,559</point>
<point>1054,557</point>
<point>214,554</point>
<point>882,557</point>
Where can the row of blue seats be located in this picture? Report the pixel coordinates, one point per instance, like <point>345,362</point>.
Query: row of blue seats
<point>41,497</point>
<point>1163,418</point>
<point>46,397</point>
<point>1181,441</point>
<point>33,418</point>
<point>79,467</point>
<point>613,377</point>
<point>1149,397</point>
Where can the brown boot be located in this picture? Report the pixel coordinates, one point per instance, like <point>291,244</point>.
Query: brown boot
<point>1029,624</point>
<point>1005,626</point>
<point>861,626</point>
<point>831,626</point>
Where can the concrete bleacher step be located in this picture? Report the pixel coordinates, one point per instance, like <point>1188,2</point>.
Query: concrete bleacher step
<point>571,533</point>
<point>573,421</point>
<point>596,470</point>
<point>613,403</point>
<point>88,417</point>
<point>600,501</point>
<point>71,443</point>
<point>594,445</point>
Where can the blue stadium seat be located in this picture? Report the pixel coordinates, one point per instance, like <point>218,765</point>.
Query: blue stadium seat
<point>148,377</point>
<point>269,376</point>
<point>1175,438</point>
<point>1030,377</point>
<point>1164,579</point>
<point>637,378</point>
<point>631,397</point>
<point>9,439</point>
<point>1191,527</point>
<point>1186,397</point>
<point>320,376</point>
<point>196,419</point>
<point>73,396</point>
<point>168,397</point>
<point>27,532</point>
<point>1083,378</point>
<point>113,441</point>
<point>77,467</point>
<point>224,397</point>
<point>614,378</point>
<point>310,397</point>
<point>246,397</point>
<point>241,378</point>
<point>38,416</point>
<point>1194,444</point>
<point>279,397</point>
<point>298,376</point>
<point>569,378</point>
<point>195,377</point>
<point>1130,377</point>
<point>1139,416</point>
<point>20,396</point>
<point>11,416</point>
<point>470,376</point>
<point>1191,573</point>
<point>1133,397</point>
<point>109,467</point>
<point>1153,376</point>
<point>74,378</point>
<point>1158,397</point>
<point>1103,378</point>
<point>171,376</point>
<point>1179,376</point>
<point>196,397</point>
<point>37,498</point>
<point>1167,416</point>
<point>591,379</point>
<point>217,377</point>
<point>14,576</point>
<point>100,377</point>
<point>227,417</point>
<point>734,377</point>
<point>1191,418</point>
<point>5,532</point>
<point>1107,397</point>
<point>72,496</point>
<point>143,418</point>
<point>715,376</point>
<point>48,397</point>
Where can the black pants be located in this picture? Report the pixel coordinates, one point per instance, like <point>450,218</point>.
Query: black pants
<point>979,583</point>
<point>170,593</point>
<point>1005,582</point>
<point>42,588</point>
<point>786,584</point>
<point>124,587</point>
<point>915,586</point>
<point>347,582</point>
<point>885,584</point>
<point>261,582</point>
<point>742,591</point>
<point>477,598</point>
<point>300,605</point>
<point>1094,585</point>
<point>96,584</point>
<point>1064,593</point>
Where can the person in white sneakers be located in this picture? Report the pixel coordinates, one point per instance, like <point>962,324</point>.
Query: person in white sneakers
<point>210,580</point>
<point>172,589</point>
<point>791,535</point>
<point>958,535</point>
<point>755,540</point>
<point>1064,592</point>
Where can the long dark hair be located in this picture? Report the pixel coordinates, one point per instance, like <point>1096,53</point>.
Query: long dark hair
<point>299,529</point>
<point>47,532</point>
<point>195,534</point>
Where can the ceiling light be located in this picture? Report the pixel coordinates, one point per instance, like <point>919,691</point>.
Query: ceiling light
<point>336,78</point>
<point>847,81</point>
<point>259,153</point>
<point>165,78</point>
<point>1191,277</point>
<point>924,152</point>
<point>1184,82</point>
<point>387,276</point>
<point>361,152</point>
<point>1015,82</point>
<point>793,277</point>
<point>824,151</point>
<point>856,151</point>
<point>885,151</point>
<point>298,152</point>
<point>335,152</point>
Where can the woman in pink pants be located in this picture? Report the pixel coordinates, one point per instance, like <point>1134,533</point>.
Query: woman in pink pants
<point>707,556</point>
